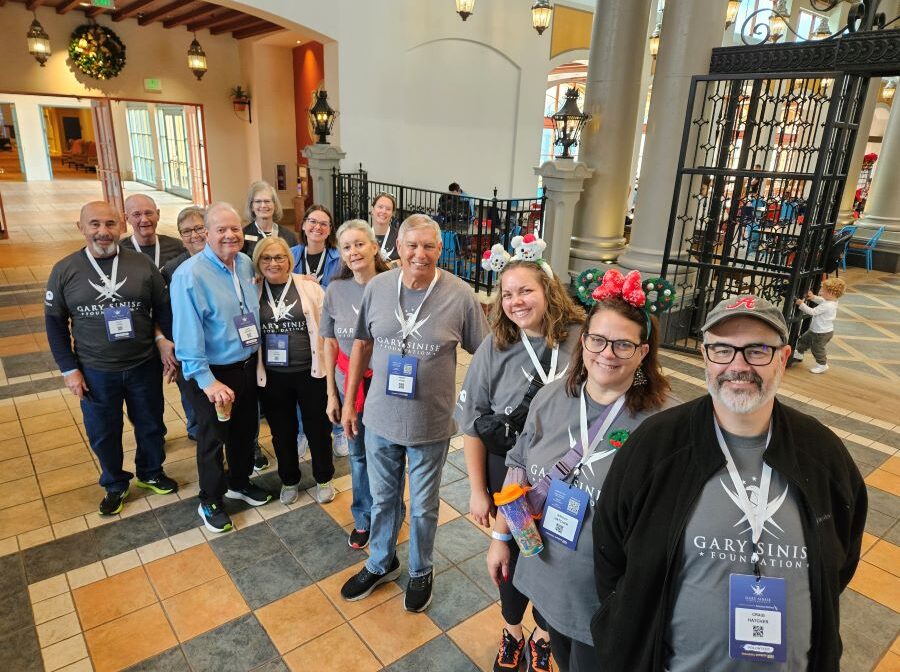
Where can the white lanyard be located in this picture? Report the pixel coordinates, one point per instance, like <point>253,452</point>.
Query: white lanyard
<point>408,324</point>
<point>155,254</point>
<point>108,282</point>
<point>550,375</point>
<point>273,232</point>
<point>318,272</point>
<point>756,515</point>
<point>279,310</point>
<point>589,447</point>
<point>384,243</point>
<point>237,287</point>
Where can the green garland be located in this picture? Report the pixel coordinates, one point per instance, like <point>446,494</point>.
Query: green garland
<point>97,51</point>
<point>586,283</point>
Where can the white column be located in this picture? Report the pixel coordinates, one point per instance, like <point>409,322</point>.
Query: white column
<point>611,97</point>
<point>323,160</point>
<point>563,181</point>
<point>859,151</point>
<point>690,31</point>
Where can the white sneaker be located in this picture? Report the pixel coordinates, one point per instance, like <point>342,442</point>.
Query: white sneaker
<point>302,446</point>
<point>289,494</point>
<point>339,446</point>
<point>798,356</point>
<point>324,492</point>
<point>819,368</point>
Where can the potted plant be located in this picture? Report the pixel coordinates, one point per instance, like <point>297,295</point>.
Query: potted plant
<point>240,98</point>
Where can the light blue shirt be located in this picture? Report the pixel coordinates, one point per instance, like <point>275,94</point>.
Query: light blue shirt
<point>331,265</point>
<point>204,305</point>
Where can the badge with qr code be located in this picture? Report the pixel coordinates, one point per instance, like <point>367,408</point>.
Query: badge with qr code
<point>401,378</point>
<point>757,620</point>
<point>564,512</point>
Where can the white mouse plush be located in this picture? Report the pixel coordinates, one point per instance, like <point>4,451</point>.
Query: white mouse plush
<point>528,247</point>
<point>495,259</point>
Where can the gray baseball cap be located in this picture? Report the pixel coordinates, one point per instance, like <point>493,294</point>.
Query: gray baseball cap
<point>748,305</point>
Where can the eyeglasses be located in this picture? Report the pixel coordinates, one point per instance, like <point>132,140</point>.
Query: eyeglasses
<point>262,201</point>
<point>278,259</point>
<point>187,233</point>
<point>318,223</point>
<point>621,348</point>
<point>755,354</point>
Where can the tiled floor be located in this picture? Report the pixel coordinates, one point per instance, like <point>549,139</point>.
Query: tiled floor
<point>150,590</point>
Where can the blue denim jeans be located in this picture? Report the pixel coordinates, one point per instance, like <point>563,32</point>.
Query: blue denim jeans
<point>361,506</point>
<point>386,464</point>
<point>140,388</point>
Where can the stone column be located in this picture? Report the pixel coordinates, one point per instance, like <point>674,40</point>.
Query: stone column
<point>612,93</point>
<point>323,160</point>
<point>859,151</point>
<point>690,31</point>
<point>563,181</point>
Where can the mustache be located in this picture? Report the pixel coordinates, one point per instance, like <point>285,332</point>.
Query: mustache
<point>740,377</point>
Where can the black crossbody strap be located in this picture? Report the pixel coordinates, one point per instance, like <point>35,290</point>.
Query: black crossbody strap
<point>536,384</point>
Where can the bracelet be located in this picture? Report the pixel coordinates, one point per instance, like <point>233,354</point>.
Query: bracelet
<point>500,536</point>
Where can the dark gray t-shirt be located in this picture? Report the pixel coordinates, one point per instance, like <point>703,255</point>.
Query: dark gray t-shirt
<point>75,292</point>
<point>450,317</point>
<point>252,236</point>
<point>339,314</point>
<point>169,248</point>
<point>293,324</point>
<point>169,268</point>
<point>717,543</point>
<point>388,243</point>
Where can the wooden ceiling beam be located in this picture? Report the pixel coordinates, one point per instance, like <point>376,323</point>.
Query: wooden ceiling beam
<point>94,11</point>
<point>66,7</point>
<point>165,10</point>
<point>202,10</point>
<point>130,10</point>
<point>212,20</point>
<point>244,21</point>
<point>32,4</point>
<point>262,29</point>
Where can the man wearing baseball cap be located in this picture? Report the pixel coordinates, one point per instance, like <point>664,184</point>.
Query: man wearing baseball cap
<point>728,526</point>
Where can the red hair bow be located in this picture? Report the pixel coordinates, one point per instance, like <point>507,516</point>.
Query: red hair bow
<point>628,287</point>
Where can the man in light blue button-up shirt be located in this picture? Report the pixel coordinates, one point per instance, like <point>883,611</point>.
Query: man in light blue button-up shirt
<point>216,330</point>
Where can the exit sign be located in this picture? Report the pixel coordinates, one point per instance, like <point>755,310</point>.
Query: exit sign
<point>105,4</point>
<point>153,85</point>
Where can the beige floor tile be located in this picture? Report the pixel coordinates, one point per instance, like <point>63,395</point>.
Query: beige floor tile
<point>45,423</point>
<point>121,563</point>
<point>15,469</point>
<point>15,447</point>
<point>297,618</point>
<point>86,575</point>
<point>64,653</point>
<point>77,502</point>
<point>187,539</point>
<point>130,639</point>
<point>58,629</point>
<point>886,556</point>
<point>19,492</point>
<point>83,665</point>
<point>156,550</point>
<point>8,413</point>
<point>35,537</point>
<point>58,458</point>
<point>53,608</point>
<point>44,590</point>
<point>338,649</point>
<point>70,526</point>
<point>10,430</point>
<point>892,465</point>
<point>477,636</point>
<point>184,570</point>
<point>332,588</point>
<point>30,409</point>
<point>16,520</point>
<point>877,584</point>
<point>884,480</point>
<point>204,607</point>
<point>113,597</point>
<point>9,546</point>
<point>68,478</point>
<point>339,509</point>
<point>868,540</point>
<point>55,438</point>
<point>392,632</point>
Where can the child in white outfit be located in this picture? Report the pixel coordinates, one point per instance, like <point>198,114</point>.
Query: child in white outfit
<point>821,329</point>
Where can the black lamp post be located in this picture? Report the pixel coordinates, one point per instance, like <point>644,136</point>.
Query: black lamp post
<point>322,117</point>
<point>568,122</point>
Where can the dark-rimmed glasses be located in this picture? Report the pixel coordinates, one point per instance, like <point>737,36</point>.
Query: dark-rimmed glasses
<point>623,349</point>
<point>755,354</point>
<point>276,258</point>
<point>187,233</point>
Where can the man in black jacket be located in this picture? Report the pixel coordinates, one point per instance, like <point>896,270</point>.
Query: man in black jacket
<point>728,526</point>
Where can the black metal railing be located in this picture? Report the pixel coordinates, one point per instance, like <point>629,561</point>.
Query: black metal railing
<point>470,225</point>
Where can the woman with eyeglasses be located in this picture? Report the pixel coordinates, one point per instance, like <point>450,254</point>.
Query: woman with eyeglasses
<point>290,370</point>
<point>263,211</point>
<point>317,256</point>
<point>575,426</point>
<point>384,205</point>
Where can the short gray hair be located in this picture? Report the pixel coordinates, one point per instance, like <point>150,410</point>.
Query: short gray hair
<point>255,188</point>
<point>188,212</point>
<point>214,208</point>
<point>356,225</point>
<point>419,221</point>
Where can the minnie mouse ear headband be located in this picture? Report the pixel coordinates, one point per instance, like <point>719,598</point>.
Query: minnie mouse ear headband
<point>653,296</point>
<point>527,248</point>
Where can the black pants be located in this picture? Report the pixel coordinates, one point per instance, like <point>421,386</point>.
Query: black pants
<point>512,602</point>
<point>280,397</point>
<point>571,655</point>
<point>235,434</point>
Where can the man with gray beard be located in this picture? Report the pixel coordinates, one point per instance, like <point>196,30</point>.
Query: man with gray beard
<point>728,526</point>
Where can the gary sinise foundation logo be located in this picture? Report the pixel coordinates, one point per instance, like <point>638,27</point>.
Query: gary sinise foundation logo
<point>409,336</point>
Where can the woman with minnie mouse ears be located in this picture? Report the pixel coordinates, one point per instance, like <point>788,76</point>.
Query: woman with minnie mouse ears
<point>574,427</point>
<point>534,331</point>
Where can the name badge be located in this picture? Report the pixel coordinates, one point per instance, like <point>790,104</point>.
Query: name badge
<point>252,239</point>
<point>276,349</point>
<point>401,379</point>
<point>564,512</point>
<point>247,329</point>
<point>758,626</point>
<point>118,323</point>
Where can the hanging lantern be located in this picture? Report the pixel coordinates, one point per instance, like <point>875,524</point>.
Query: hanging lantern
<point>888,89</point>
<point>38,42</point>
<point>197,59</point>
<point>568,122</point>
<point>541,12</point>
<point>465,8</point>
<point>823,30</point>
<point>731,13</point>
<point>777,23</point>
<point>322,117</point>
<point>654,42</point>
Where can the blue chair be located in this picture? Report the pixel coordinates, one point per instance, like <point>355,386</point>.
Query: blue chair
<point>864,249</point>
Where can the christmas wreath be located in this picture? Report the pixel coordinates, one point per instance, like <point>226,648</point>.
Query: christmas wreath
<point>97,51</point>
<point>586,283</point>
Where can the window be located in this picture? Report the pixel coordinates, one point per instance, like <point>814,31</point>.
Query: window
<point>173,150</point>
<point>140,137</point>
<point>807,22</point>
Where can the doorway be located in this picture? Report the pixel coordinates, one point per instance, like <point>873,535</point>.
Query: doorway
<point>11,165</point>
<point>173,150</point>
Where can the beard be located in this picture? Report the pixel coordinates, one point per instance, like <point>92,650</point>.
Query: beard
<point>746,400</point>
<point>101,248</point>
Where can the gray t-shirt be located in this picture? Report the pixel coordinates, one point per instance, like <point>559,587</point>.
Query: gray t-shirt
<point>169,248</point>
<point>497,379</point>
<point>168,269</point>
<point>339,314</point>
<point>75,292</point>
<point>450,317</point>
<point>717,543</point>
<point>252,236</point>
<point>560,581</point>
<point>293,324</point>
<point>388,242</point>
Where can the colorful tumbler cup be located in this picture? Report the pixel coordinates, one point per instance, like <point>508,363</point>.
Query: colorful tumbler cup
<point>512,504</point>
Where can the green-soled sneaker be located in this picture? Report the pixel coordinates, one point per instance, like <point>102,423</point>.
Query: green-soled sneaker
<point>113,502</point>
<point>161,485</point>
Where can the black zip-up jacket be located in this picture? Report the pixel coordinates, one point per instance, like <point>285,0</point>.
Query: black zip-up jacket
<point>648,497</point>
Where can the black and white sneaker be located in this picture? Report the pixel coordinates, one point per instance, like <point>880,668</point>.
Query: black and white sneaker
<point>161,485</point>
<point>252,494</point>
<point>214,517</point>
<point>358,538</point>
<point>260,461</point>
<point>113,502</point>
<point>418,593</point>
<point>364,582</point>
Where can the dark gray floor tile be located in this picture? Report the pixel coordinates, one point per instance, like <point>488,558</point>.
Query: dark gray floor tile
<point>271,579</point>
<point>450,474</point>
<point>864,455</point>
<point>456,494</point>
<point>237,646</point>
<point>26,365</point>
<point>458,459</point>
<point>319,543</point>
<point>62,555</point>
<point>268,480</point>
<point>246,547</point>
<point>15,612</point>
<point>179,517</point>
<point>19,651</point>
<point>12,575</point>
<point>476,569</point>
<point>48,384</point>
<point>169,661</point>
<point>879,623</point>
<point>124,535</point>
<point>878,523</point>
<point>459,540</point>
<point>893,534</point>
<point>438,655</point>
<point>685,391</point>
<point>455,598</point>
<point>17,389</point>
<point>861,654</point>
<point>272,666</point>
<point>882,501</point>
<point>859,427</point>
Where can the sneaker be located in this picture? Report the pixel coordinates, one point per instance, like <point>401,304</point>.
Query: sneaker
<point>798,355</point>
<point>214,517</point>
<point>324,492</point>
<point>418,592</point>
<point>113,502</point>
<point>358,538</point>
<point>510,654</point>
<point>302,446</point>
<point>161,485</point>
<point>539,655</point>
<point>252,494</point>
<point>364,582</point>
<point>339,446</point>
<point>289,494</point>
<point>819,368</point>
<point>260,461</point>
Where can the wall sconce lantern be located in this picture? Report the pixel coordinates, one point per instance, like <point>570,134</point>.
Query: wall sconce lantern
<point>322,117</point>
<point>568,123</point>
<point>541,13</point>
<point>731,13</point>
<point>888,89</point>
<point>823,30</point>
<point>465,8</point>
<point>38,42</point>
<point>197,59</point>
<point>778,22</point>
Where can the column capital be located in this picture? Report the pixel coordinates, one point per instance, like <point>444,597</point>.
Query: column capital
<point>323,154</point>
<point>566,170</point>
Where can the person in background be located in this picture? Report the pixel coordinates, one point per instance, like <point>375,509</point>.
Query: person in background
<point>383,208</point>
<point>143,215</point>
<point>821,329</point>
<point>263,211</point>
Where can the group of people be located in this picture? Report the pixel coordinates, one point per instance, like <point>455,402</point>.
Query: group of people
<point>715,534</point>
